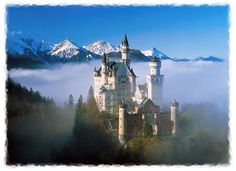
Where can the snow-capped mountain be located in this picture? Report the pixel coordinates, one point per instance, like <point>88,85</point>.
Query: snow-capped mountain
<point>45,46</point>
<point>24,51</point>
<point>19,44</point>
<point>208,59</point>
<point>69,51</point>
<point>64,49</point>
<point>100,47</point>
<point>154,52</point>
<point>180,59</point>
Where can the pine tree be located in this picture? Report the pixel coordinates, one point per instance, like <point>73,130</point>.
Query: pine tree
<point>71,101</point>
<point>92,108</point>
<point>90,93</point>
<point>80,109</point>
<point>80,115</point>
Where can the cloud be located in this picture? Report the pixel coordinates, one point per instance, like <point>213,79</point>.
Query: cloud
<point>187,82</point>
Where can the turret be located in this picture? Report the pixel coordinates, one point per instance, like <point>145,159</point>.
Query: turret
<point>125,42</point>
<point>155,66</point>
<point>122,129</point>
<point>125,51</point>
<point>155,129</point>
<point>155,82</point>
<point>173,116</point>
<point>104,68</point>
<point>95,73</point>
<point>105,59</point>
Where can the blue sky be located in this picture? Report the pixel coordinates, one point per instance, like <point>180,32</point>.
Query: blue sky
<point>178,31</point>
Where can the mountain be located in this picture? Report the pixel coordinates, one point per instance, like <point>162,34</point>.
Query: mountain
<point>44,47</point>
<point>100,47</point>
<point>134,55</point>
<point>180,59</point>
<point>19,44</point>
<point>24,51</point>
<point>64,49</point>
<point>208,59</point>
<point>154,52</point>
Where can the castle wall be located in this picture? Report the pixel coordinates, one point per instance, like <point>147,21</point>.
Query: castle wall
<point>173,112</point>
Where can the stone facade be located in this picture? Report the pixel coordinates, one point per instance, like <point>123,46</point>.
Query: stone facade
<point>114,81</point>
<point>131,124</point>
<point>155,82</point>
<point>115,84</point>
<point>173,111</point>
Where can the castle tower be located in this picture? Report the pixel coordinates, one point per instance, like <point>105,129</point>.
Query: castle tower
<point>155,128</point>
<point>105,60</point>
<point>155,82</point>
<point>122,130</point>
<point>125,51</point>
<point>173,112</point>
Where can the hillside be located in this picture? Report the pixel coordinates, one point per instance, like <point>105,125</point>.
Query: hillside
<point>21,101</point>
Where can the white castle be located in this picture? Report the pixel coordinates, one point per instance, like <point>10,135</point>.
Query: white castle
<point>115,82</point>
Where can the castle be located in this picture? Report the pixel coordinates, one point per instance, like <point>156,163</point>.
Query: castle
<point>115,91</point>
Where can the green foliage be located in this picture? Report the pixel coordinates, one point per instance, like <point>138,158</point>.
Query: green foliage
<point>80,115</point>
<point>40,132</point>
<point>135,148</point>
<point>91,143</point>
<point>86,113</point>
<point>147,129</point>
<point>201,139</point>
<point>80,108</point>
<point>91,106</point>
<point>21,101</point>
<point>35,125</point>
<point>158,151</point>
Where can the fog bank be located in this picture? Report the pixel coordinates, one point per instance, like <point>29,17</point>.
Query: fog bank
<point>187,82</point>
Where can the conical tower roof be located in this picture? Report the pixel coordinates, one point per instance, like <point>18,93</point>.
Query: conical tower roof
<point>125,41</point>
<point>105,58</point>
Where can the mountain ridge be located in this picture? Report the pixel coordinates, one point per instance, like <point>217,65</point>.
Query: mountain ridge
<point>45,52</point>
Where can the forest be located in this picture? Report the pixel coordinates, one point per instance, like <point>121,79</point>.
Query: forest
<point>41,132</point>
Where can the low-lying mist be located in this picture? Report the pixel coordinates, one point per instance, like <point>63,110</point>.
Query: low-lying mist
<point>187,82</point>
<point>44,133</point>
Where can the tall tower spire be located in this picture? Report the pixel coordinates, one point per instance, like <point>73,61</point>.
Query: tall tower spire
<point>155,82</point>
<point>125,41</point>
<point>104,68</point>
<point>125,51</point>
<point>105,58</point>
